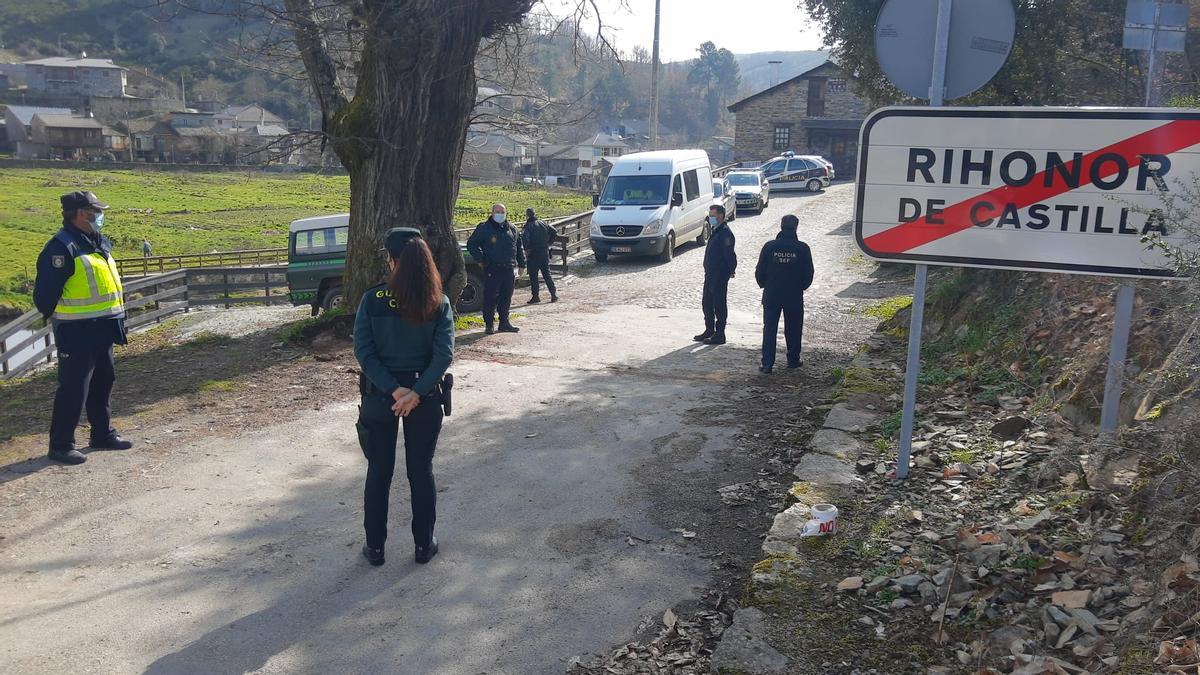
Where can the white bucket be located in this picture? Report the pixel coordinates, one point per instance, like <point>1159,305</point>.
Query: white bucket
<point>823,521</point>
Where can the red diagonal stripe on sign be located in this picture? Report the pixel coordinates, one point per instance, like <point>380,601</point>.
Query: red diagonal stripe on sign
<point>1162,140</point>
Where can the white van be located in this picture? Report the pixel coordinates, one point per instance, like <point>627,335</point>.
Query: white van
<point>651,203</point>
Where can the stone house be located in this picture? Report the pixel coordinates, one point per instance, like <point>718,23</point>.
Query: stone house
<point>19,122</point>
<point>67,137</point>
<point>816,112</point>
<point>75,76</point>
<point>243,117</point>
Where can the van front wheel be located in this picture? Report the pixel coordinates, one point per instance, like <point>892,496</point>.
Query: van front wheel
<point>668,252</point>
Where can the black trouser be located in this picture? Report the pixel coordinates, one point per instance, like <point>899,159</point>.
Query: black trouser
<point>793,332</point>
<point>541,265</point>
<point>497,293</point>
<point>85,380</point>
<point>715,303</point>
<point>377,431</point>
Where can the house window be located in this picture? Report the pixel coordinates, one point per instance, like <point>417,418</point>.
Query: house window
<point>816,97</point>
<point>783,136</point>
<point>837,84</point>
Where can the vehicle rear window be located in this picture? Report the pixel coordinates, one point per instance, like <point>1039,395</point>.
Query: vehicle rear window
<point>322,242</point>
<point>797,165</point>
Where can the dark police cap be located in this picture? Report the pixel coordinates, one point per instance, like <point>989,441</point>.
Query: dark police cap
<point>397,237</point>
<point>81,200</point>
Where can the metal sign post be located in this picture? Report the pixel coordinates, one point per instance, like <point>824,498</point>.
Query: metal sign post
<point>1114,379</point>
<point>912,369</point>
<point>1155,26</point>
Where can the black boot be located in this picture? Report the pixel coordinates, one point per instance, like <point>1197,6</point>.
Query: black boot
<point>113,442</point>
<point>425,554</point>
<point>509,328</point>
<point>373,555</point>
<point>534,300</point>
<point>708,332</point>
<point>489,330</point>
<point>716,339</point>
<point>67,456</point>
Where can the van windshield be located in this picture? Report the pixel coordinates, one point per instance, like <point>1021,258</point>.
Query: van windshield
<point>636,191</point>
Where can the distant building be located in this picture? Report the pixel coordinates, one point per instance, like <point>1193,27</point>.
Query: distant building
<point>116,144</point>
<point>66,137</point>
<point>190,119</point>
<point>815,112</point>
<point>75,76</point>
<point>243,117</point>
<point>19,123</point>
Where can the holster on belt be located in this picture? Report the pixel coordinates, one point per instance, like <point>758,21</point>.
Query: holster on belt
<point>446,386</point>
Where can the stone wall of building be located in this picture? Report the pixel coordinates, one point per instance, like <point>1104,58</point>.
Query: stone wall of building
<point>757,119</point>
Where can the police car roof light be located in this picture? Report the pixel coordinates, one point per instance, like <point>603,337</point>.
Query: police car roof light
<point>789,153</point>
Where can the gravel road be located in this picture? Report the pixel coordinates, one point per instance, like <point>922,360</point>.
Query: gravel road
<point>577,502</point>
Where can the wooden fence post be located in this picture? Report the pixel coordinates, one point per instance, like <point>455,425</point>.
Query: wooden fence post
<point>225,276</point>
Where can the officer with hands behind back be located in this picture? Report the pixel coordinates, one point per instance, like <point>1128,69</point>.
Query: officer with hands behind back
<point>78,290</point>
<point>496,245</point>
<point>784,272</point>
<point>404,341</point>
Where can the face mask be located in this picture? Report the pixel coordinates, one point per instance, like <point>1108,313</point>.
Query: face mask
<point>500,217</point>
<point>712,220</point>
<point>98,222</point>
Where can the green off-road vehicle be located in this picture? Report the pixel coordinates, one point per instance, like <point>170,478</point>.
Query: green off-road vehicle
<point>317,258</point>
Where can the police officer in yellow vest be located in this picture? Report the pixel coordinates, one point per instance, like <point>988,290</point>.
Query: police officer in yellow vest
<point>78,289</point>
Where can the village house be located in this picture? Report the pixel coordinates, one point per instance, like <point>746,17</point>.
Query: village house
<point>75,76</point>
<point>19,123</point>
<point>243,117</point>
<point>66,137</point>
<point>816,112</point>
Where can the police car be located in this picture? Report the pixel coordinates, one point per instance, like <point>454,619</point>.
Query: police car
<point>790,171</point>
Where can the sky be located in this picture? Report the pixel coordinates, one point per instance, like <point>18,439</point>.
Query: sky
<point>741,26</point>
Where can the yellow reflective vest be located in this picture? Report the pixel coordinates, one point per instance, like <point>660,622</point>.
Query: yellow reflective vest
<point>93,290</point>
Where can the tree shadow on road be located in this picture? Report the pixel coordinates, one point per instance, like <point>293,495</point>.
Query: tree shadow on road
<point>616,456</point>
<point>147,375</point>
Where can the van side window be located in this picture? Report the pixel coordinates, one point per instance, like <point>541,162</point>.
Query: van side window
<point>676,187</point>
<point>692,184</point>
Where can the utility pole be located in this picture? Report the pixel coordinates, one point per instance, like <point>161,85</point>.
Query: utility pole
<point>654,79</point>
<point>182,91</point>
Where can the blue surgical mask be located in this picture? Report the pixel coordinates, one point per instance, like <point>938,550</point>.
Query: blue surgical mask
<point>98,223</point>
<point>500,217</point>
<point>713,220</point>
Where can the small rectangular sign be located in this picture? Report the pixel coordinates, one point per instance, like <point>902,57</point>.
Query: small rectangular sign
<point>1044,189</point>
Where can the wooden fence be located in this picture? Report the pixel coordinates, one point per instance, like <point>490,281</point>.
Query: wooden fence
<point>27,341</point>
<point>135,267</point>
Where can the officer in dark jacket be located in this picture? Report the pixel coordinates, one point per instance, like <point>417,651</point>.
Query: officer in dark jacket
<point>784,272</point>
<point>720,265</point>
<point>537,237</point>
<point>496,245</point>
<point>404,341</point>
<point>78,290</point>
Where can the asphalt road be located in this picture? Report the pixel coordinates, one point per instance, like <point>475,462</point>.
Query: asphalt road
<point>578,452</point>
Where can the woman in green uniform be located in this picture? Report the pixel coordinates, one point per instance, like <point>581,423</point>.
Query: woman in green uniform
<point>404,341</point>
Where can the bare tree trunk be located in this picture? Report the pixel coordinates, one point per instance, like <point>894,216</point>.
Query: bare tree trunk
<point>402,134</point>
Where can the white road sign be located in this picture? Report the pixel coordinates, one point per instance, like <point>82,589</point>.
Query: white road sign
<point>1044,189</point>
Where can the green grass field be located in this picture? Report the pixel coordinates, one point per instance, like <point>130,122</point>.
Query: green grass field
<point>201,212</point>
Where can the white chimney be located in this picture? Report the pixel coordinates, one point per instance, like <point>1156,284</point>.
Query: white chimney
<point>83,55</point>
